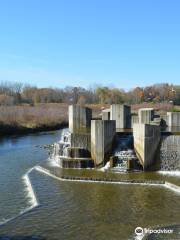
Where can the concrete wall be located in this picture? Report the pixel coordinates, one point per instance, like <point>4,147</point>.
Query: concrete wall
<point>146,143</point>
<point>67,162</point>
<point>81,140</point>
<point>122,115</point>
<point>76,152</point>
<point>106,114</point>
<point>102,134</point>
<point>173,119</point>
<point>79,119</point>
<point>146,115</point>
<point>134,119</point>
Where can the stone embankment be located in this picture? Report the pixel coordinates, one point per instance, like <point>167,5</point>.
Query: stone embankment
<point>170,153</point>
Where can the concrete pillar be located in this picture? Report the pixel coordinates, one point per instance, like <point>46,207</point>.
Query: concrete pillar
<point>106,114</point>
<point>122,115</point>
<point>146,115</point>
<point>134,119</point>
<point>173,119</point>
<point>146,143</point>
<point>79,119</point>
<point>102,134</point>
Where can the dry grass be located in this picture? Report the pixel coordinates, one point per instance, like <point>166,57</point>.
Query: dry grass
<point>41,115</point>
<point>160,107</point>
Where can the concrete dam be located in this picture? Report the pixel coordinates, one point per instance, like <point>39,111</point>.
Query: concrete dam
<point>120,140</point>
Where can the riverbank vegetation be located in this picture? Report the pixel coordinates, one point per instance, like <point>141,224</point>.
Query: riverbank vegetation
<point>25,108</point>
<point>26,119</point>
<point>18,93</point>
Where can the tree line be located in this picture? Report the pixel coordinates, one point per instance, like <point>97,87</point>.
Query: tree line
<point>16,93</point>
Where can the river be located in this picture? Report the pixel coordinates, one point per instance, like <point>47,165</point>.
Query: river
<point>34,205</point>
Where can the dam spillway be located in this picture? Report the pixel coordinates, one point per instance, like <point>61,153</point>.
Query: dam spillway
<point>93,142</point>
<point>123,156</point>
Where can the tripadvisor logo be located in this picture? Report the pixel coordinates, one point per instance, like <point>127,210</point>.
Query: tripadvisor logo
<point>139,231</point>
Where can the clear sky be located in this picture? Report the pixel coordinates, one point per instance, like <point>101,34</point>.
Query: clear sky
<point>86,42</point>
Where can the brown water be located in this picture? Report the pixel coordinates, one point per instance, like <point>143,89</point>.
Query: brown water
<point>77,210</point>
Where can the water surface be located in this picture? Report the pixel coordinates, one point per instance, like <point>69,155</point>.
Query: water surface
<point>75,210</point>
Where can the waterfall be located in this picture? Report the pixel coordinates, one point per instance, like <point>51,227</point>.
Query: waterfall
<point>123,149</point>
<point>72,151</point>
<point>60,147</point>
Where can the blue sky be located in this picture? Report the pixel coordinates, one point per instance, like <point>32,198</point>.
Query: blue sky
<point>90,42</point>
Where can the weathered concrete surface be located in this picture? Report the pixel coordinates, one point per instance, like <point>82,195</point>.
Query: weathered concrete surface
<point>102,134</point>
<point>81,140</point>
<point>122,115</point>
<point>146,115</point>
<point>105,114</point>
<point>79,119</point>
<point>173,119</point>
<point>170,153</point>
<point>134,119</point>
<point>146,143</point>
<point>76,152</point>
<point>67,162</point>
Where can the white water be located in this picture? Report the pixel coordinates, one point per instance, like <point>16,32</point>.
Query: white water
<point>53,163</point>
<point>172,187</point>
<point>47,172</point>
<point>106,167</point>
<point>30,195</point>
<point>170,173</point>
<point>139,237</point>
<point>30,191</point>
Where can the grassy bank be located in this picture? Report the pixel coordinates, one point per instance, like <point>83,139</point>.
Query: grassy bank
<point>28,119</point>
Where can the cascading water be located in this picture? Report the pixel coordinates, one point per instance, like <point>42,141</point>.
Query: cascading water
<point>123,149</point>
<point>60,148</point>
<point>72,152</point>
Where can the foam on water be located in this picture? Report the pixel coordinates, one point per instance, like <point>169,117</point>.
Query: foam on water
<point>170,173</point>
<point>139,237</point>
<point>53,163</point>
<point>106,167</point>
<point>29,189</point>
<point>172,187</point>
<point>30,195</point>
<point>47,172</point>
